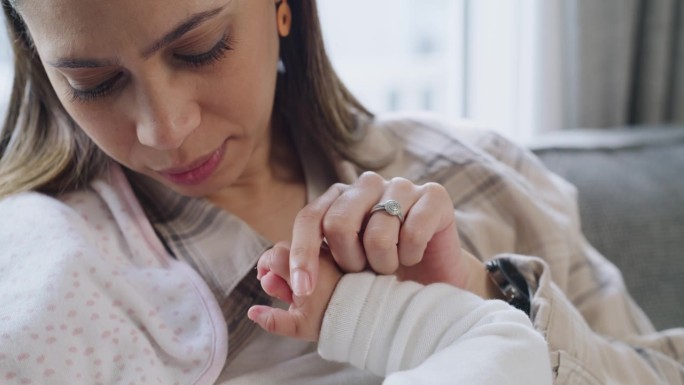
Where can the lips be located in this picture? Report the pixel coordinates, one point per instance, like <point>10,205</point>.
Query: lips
<point>196,172</point>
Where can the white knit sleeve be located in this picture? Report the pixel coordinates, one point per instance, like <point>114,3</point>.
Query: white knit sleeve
<point>414,334</point>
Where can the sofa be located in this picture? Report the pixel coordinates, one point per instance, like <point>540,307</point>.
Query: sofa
<point>630,184</point>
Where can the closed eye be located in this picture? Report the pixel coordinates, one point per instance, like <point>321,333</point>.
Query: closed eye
<point>216,53</point>
<point>101,90</point>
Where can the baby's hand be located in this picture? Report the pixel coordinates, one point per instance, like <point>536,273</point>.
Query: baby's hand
<point>304,317</point>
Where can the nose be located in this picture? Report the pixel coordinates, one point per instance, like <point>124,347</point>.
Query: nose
<point>167,113</point>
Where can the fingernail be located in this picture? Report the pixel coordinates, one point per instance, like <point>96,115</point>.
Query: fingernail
<point>255,312</point>
<point>301,283</point>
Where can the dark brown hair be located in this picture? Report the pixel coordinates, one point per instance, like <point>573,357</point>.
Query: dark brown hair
<point>42,149</point>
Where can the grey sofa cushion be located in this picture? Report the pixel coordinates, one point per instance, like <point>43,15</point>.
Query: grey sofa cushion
<point>631,199</point>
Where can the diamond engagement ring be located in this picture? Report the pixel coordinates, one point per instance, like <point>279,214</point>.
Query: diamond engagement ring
<point>391,207</point>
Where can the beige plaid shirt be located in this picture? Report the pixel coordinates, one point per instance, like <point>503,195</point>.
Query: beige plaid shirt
<point>506,204</point>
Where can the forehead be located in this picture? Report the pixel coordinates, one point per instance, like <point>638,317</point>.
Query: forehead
<point>70,26</point>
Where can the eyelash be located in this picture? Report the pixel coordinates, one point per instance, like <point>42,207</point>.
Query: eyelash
<point>216,53</point>
<point>101,90</point>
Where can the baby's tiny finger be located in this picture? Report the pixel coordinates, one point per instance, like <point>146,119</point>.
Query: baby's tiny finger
<point>263,263</point>
<point>262,315</point>
<point>275,286</point>
<point>275,259</point>
<point>276,321</point>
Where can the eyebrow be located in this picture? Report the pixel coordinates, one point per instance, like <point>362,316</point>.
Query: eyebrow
<point>180,30</point>
<point>176,33</point>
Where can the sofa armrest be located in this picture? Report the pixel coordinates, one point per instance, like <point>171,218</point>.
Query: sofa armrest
<point>631,199</point>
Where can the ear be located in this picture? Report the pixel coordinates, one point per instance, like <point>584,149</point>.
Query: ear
<point>284,18</point>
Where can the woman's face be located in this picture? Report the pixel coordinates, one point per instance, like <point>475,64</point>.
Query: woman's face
<point>179,90</point>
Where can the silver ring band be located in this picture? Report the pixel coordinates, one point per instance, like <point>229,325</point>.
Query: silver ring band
<point>390,207</point>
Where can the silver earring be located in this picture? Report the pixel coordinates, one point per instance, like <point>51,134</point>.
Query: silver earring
<point>281,67</point>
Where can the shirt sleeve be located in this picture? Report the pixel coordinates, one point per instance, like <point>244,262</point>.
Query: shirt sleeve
<point>596,334</point>
<point>412,334</point>
<point>582,355</point>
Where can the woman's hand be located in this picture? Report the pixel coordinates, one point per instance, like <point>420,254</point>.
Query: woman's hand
<point>424,248</point>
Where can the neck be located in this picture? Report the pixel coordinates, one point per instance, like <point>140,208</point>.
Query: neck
<point>271,191</point>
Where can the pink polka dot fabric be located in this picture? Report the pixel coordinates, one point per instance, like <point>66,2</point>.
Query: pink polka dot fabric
<point>88,295</point>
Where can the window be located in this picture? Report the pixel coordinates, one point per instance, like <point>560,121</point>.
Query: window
<point>466,59</point>
<point>398,54</point>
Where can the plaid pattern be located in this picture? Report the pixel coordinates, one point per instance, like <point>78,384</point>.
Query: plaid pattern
<point>216,244</point>
<point>506,204</point>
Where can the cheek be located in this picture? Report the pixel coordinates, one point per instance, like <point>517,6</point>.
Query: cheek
<point>244,90</point>
<point>113,136</point>
<point>246,100</point>
<point>110,132</point>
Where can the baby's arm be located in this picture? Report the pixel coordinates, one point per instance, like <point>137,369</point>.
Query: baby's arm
<point>405,331</point>
<point>434,334</point>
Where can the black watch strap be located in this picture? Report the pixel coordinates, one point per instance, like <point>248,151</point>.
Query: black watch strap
<point>511,282</point>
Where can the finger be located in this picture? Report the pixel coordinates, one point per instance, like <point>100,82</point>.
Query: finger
<point>431,214</point>
<point>272,320</point>
<point>307,237</point>
<point>275,286</point>
<point>345,218</point>
<point>275,259</point>
<point>279,322</point>
<point>381,236</point>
